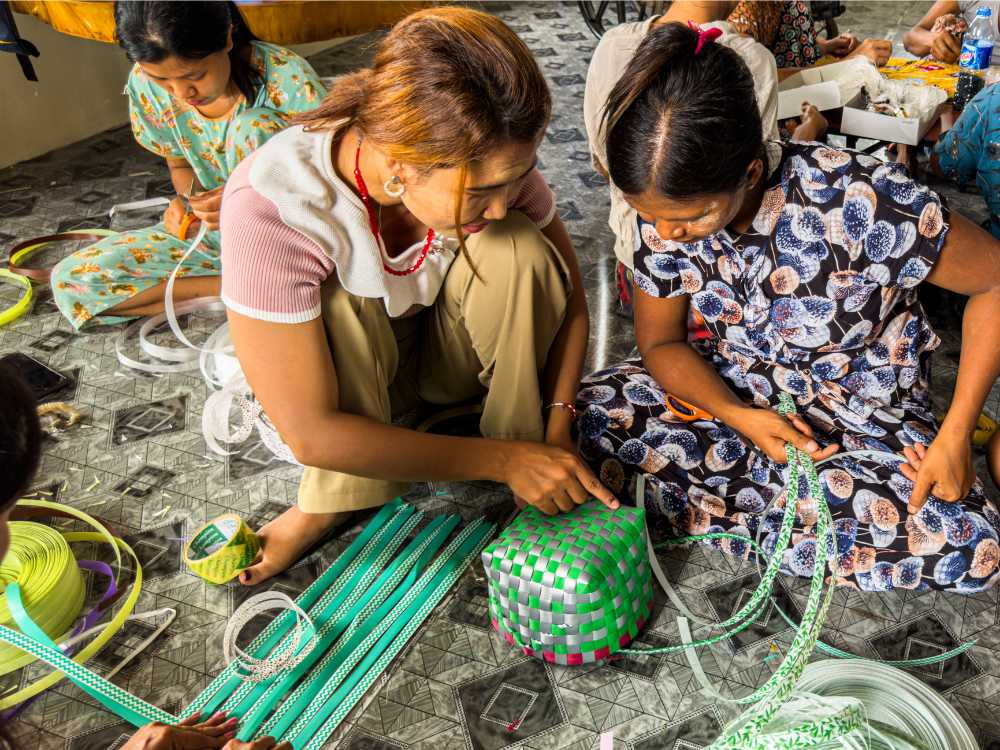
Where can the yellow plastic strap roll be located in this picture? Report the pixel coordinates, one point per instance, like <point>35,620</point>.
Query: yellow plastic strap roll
<point>221,549</point>
<point>41,609</point>
<point>42,564</point>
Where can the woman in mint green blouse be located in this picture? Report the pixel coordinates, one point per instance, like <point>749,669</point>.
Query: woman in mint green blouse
<point>203,94</point>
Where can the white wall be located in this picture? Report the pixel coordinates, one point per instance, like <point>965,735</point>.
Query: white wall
<point>78,93</point>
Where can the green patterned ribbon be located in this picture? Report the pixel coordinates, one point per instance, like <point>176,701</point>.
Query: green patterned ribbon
<point>329,585</point>
<point>393,639</point>
<point>256,707</point>
<point>337,615</point>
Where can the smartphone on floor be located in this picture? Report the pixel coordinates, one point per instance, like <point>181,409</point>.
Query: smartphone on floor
<point>41,378</point>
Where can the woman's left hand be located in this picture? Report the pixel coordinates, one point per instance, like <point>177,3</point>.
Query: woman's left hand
<point>190,734</point>
<point>841,45</point>
<point>944,470</point>
<point>876,50</point>
<point>206,206</point>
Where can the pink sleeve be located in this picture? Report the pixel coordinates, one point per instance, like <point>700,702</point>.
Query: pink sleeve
<point>269,271</point>
<point>536,200</point>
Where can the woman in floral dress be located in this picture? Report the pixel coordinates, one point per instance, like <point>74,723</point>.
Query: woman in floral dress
<point>203,94</point>
<point>804,261</point>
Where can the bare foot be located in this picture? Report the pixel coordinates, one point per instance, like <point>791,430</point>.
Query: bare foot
<point>285,539</point>
<point>813,124</point>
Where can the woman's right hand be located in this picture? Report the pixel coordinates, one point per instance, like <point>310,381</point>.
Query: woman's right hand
<point>945,47</point>
<point>174,215</point>
<point>551,478</point>
<point>770,431</point>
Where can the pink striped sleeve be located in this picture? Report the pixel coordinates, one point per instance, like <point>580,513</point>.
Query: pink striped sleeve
<point>269,271</point>
<point>536,200</point>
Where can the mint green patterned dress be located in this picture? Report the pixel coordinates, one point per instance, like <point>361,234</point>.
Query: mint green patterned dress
<point>117,268</point>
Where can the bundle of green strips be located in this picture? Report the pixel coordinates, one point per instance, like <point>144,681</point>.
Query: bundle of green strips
<point>362,611</point>
<point>574,589</point>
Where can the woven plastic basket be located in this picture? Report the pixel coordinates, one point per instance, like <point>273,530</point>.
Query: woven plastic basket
<point>573,588</point>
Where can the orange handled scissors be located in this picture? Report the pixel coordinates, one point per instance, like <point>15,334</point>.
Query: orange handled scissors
<point>685,411</point>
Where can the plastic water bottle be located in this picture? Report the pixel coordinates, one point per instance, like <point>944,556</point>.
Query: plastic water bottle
<point>974,60</point>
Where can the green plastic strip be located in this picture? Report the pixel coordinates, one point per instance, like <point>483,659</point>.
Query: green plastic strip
<point>134,710</point>
<point>388,646</point>
<point>328,584</point>
<point>379,551</point>
<point>263,700</point>
<point>325,677</point>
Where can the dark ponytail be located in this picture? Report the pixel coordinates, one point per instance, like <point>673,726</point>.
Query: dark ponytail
<point>152,30</point>
<point>20,438</point>
<point>682,124</point>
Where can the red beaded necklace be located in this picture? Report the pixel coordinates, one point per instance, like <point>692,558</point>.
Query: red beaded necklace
<point>373,221</point>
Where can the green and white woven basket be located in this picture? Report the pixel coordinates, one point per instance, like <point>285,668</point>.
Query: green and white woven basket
<point>573,588</point>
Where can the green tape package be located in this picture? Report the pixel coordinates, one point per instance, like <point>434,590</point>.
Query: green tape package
<point>573,588</point>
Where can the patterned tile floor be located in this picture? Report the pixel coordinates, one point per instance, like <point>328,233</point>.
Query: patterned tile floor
<point>139,463</point>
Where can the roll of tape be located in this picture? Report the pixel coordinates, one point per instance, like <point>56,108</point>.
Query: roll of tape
<point>221,549</point>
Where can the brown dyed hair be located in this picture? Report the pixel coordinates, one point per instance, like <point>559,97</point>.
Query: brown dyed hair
<point>448,86</point>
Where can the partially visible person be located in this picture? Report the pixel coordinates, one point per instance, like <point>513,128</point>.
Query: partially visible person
<point>939,33</point>
<point>204,93</point>
<point>969,152</point>
<point>397,249</point>
<point>611,58</point>
<point>805,261</point>
<point>20,454</point>
<point>789,31</point>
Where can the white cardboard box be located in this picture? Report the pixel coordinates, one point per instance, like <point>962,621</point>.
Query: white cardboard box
<point>821,87</point>
<point>859,121</point>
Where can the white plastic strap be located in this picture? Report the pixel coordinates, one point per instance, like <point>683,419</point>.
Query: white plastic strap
<point>286,656</point>
<point>654,563</point>
<point>120,208</point>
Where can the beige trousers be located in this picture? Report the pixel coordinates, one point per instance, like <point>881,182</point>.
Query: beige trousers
<point>485,338</point>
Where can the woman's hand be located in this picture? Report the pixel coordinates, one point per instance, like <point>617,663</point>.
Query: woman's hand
<point>174,215</point>
<point>876,50</point>
<point>944,469</point>
<point>206,206</point>
<point>216,732</point>
<point>551,478</point>
<point>840,46</point>
<point>770,431</point>
<point>946,47</point>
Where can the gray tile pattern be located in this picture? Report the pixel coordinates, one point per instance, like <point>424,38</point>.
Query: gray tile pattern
<point>139,463</point>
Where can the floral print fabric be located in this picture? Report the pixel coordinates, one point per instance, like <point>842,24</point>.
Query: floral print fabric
<point>114,270</point>
<point>817,299</point>
<point>785,28</point>
<point>169,127</point>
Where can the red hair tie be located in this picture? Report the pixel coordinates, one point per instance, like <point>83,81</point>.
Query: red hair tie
<point>704,35</point>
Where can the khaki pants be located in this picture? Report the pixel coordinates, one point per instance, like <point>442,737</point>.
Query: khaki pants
<point>485,338</point>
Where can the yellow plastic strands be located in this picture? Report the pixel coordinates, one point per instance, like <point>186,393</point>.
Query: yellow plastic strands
<point>42,564</point>
<point>19,308</point>
<point>44,607</point>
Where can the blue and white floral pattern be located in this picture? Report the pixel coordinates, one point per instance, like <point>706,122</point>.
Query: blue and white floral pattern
<point>817,299</point>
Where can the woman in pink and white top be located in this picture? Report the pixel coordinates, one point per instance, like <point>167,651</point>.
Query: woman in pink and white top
<point>398,246</point>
